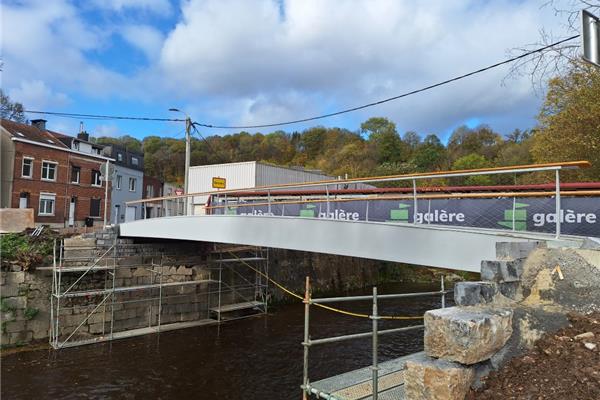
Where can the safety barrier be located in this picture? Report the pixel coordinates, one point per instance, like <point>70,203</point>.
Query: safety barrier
<point>508,210</point>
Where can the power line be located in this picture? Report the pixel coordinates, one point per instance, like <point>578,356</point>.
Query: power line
<point>104,117</point>
<point>210,146</point>
<point>541,49</point>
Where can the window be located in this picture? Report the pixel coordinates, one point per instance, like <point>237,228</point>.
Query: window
<point>149,191</point>
<point>76,145</point>
<point>119,180</point>
<point>119,156</point>
<point>94,207</point>
<point>49,170</point>
<point>134,160</point>
<point>96,178</point>
<point>27,169</point>
<point>47,201</point>
<point>132,184</point>
<point>75,174</point>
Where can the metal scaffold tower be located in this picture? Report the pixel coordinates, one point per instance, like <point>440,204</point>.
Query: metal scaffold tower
<point>105,293</point>
<point>242,283</point>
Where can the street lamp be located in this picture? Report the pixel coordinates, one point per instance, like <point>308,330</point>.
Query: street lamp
<point>188,125</point>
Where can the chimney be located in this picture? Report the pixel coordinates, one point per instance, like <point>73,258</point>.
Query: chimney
<point>83,136</point>
<point>39,123</point>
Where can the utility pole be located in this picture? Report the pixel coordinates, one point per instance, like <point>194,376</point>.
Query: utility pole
<point>188,145</point>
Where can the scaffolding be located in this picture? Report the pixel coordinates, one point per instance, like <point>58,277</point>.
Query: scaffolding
<point>93,288</point>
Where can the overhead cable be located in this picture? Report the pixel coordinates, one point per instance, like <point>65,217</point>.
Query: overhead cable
<point>348,110</point>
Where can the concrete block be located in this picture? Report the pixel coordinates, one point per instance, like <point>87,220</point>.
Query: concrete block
<point>11,290</point>
<point>591,243</point>
<point>466,334</point>
<point>14,277</point>
<point>14,326</point>
<point>124,273</point>
<point>182,270</point>
<point>20,337</point>
<point>516,250</point>
<point>474,293</point>
<point>39,329</point>
<point>17,303</point>
<point>426,378</point>
<point>502,271</point>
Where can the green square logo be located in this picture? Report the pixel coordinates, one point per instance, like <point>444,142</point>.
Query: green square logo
<point>399,214</point>
<point>520,215</point>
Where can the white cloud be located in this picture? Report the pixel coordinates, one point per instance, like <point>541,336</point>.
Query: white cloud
<point>144,37</point>
<point>49,41</point>
<point>106,130</point>
<point>155,6</point>
<point>352,52</point>
<point>36,95</point>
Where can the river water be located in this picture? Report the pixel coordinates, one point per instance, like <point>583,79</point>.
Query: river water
<point>254,358</point>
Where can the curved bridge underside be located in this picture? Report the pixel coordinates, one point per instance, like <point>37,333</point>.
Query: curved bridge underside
<point>429,245</point>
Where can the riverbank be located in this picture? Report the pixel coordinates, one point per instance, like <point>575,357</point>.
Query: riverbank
<point>562,365</point>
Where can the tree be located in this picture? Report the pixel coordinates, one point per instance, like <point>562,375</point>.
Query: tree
<point>383,135</point>
<point>473,161</point>
<point>12,111</point>
<point>556,60</point>
<point>570,121</point>
<point>429,155</point>
<point>481,140</point>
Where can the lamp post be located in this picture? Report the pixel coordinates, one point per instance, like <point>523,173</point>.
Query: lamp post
<point>188,125</point>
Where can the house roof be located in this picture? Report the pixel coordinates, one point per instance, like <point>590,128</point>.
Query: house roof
<point>32,133</point>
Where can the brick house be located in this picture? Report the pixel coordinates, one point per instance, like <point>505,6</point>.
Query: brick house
<point>55,174</point>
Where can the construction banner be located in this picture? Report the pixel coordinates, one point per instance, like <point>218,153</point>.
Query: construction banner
<point>578,215</point>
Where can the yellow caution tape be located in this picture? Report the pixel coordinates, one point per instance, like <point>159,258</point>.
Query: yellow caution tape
<point>337,310</point>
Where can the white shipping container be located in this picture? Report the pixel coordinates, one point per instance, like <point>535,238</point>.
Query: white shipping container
<point>251,174</point>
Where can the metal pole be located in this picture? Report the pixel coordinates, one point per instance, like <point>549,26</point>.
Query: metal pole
<point>160,275</point>
<point>188,144</point>
<point>52,324</point>
<point>105,192</point>
<point>220,279</point>
<point>112,294</point>
<point>443,288</point>
<point>306,342</point>
<point>58,294</point>
<point>415,201</point>
<point>374,367</point>
<point>367,212</point>
<point>513,212</point>
<point>269,200</point>
<point>327,192</point>
<point>557,197</point>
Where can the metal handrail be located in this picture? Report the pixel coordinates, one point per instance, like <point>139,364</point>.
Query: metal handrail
<point>307,389</point>
<point>556,167</point>
<point>388,178</point>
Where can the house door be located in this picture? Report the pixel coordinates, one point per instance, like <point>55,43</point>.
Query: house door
<point>117,214</point>
<point>72,212</point>
<point>130,214</point>
<point>23,200</point>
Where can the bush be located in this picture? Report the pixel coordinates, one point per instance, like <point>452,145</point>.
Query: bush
<point>27,251</point>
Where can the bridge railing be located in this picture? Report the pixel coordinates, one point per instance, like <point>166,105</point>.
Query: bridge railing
<point>545,210</point>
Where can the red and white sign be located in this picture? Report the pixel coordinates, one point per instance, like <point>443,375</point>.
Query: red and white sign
<point>178,191</point>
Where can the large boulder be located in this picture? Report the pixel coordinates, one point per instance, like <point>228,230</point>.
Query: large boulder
<point>467,334</point>
<point>427,378</point>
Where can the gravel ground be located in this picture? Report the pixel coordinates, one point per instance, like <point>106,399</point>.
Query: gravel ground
<point>563,365</point>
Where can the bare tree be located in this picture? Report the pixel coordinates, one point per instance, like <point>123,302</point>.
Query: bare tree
<point>556,60</point>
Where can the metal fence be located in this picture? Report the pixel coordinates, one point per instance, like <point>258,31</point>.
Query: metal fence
<point>374,334</point>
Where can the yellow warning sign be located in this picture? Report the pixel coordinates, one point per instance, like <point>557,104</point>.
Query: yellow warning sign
<point>219,183</point>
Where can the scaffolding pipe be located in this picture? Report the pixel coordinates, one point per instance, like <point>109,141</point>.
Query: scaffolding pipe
<point>369,297</point>
<point>374,367</point>
<point>361,335</point>
<point>306,342</point>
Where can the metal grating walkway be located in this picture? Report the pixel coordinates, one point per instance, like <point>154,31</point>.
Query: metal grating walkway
<point>356,385</point>
<point>237,306</point>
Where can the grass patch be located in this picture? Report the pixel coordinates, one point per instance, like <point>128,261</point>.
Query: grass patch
<point>27,251</point>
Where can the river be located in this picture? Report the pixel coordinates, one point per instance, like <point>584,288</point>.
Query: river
<point>254,358</point>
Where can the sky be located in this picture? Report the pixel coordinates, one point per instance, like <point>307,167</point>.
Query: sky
<point>240,62</point>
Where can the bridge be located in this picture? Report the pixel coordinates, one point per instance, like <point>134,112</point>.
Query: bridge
<point>410,228</point>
